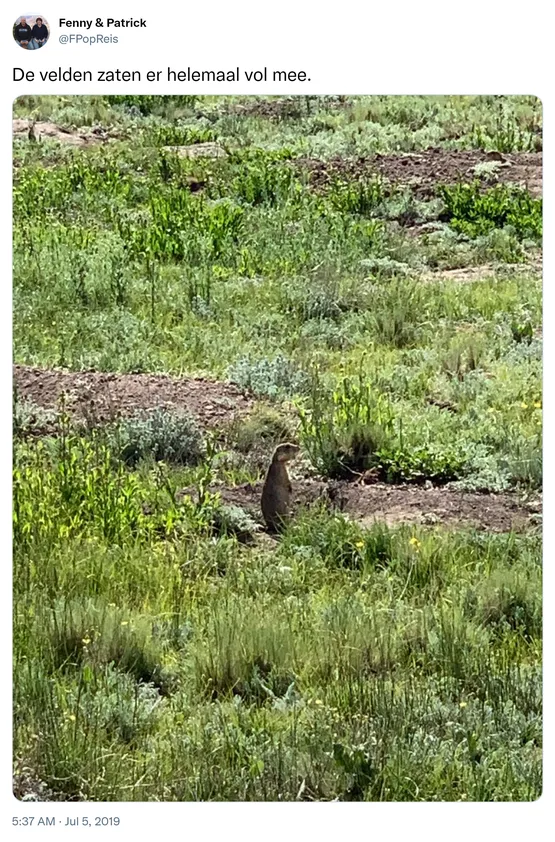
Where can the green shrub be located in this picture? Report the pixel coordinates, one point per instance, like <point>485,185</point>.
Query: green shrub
<point>338,541</point>
<point>352,429</point>
<point>259,177</point>
<point>439,463</point>
<point>507,135</point>
<point>509,600</point>
<point>149,104</point>
<point>343,432</point>
<point>359,197</point>
<point>30,419</point>
<point>72,486</point>
<point>501,245</point>
<point>265,425</point>
<point>161,434</point>
<point>114,701</point>
<point>232,520</point>
<point>175,135</point>
<point>474,212</point>
<point>271,378</point>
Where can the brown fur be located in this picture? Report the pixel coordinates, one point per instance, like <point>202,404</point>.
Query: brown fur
<point>277,491</point>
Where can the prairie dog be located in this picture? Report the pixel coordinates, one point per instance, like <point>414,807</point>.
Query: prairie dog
<point>276,494</point>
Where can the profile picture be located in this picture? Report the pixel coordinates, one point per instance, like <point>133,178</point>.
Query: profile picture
<point>31,32</point>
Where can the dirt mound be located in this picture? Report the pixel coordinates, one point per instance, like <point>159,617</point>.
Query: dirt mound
<point>71,137</point>
<point>395,504</point>
<point>102,397</point>
<point>423,170</point>
<point>280,108</point>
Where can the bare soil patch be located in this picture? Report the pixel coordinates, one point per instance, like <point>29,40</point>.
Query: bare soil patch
<point>102,397</point>
<point>71,137</point>
<point>284,107</point>
<point>396,504</point>
<point>423,170</point>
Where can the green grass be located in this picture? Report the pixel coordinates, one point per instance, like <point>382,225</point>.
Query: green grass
<point>162,649</point>
<point>249,674</point>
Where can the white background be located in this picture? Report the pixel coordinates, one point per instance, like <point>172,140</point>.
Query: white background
<point>346,48</point>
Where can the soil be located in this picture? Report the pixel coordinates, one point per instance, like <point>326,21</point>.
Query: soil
<point>396,504</point>
<point>283,107</point>
<point>97,398</point>
<point>424,170</point>
<point>71,137</point>
<point>100,397</point>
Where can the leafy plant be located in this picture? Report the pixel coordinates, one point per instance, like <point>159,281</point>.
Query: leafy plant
<point>31,419</point>
<point>506,135</point>
<point>473,212</point>
<point>522,331</point>
<point>343,432</point>
<point>260,177</point>
<point>232,520</point>
<point>359,197</point>
<point>438,463</point>
<point>357,765</point>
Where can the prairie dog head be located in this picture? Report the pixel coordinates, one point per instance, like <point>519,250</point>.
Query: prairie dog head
<point>285,452</point>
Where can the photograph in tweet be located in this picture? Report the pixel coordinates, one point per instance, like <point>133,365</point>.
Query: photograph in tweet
<point>277,437</point>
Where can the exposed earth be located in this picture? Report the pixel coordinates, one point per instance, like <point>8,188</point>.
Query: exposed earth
<point>424,170</point>
<point>395,504</point>
<point>100,397</point>
<point>72,137</point>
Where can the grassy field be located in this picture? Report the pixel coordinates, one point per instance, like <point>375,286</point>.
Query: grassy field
<point>380,308</point>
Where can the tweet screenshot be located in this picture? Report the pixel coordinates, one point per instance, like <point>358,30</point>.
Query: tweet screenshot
<point>273,357</point>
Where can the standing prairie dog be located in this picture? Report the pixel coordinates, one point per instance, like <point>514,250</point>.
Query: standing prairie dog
<point>276,494</point>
